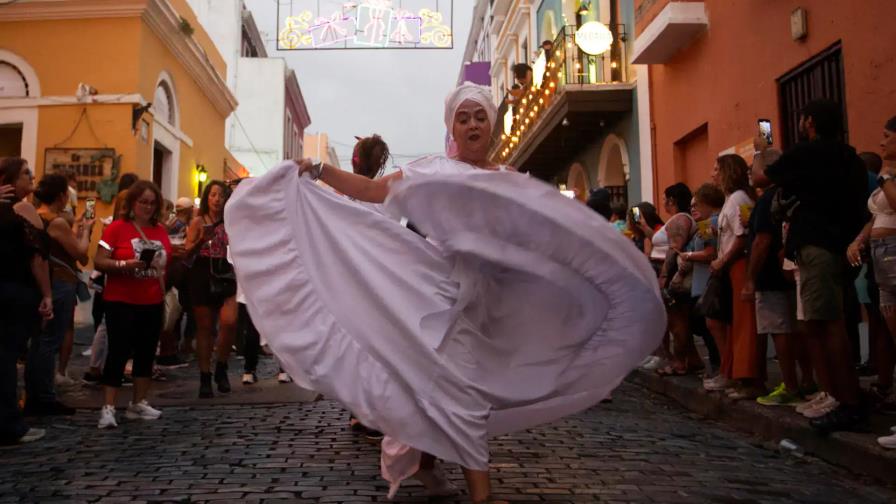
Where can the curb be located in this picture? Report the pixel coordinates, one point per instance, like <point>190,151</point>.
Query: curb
<point>856,452</point>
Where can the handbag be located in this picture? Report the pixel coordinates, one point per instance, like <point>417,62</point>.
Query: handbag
<point>222,278</point>
<point>715,303</point>
<point>81,290</point>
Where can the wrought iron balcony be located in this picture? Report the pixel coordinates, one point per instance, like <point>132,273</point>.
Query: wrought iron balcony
<point>566,71</point>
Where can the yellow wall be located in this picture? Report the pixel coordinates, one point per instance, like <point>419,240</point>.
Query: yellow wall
<point>118,56</point>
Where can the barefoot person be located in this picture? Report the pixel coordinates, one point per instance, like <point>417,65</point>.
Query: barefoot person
<point>518,309</point>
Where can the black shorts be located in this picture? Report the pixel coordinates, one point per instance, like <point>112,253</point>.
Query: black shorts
<point>199,281</point>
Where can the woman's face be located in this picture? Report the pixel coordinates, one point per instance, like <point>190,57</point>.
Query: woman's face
<point>700,211</point>
<point>472,131</point>
<point>888,145</point>
<point>145,206</point>
<point>216,199</point>
<point>25,183</point>
<point>670,206</point>
<point>716,179</point>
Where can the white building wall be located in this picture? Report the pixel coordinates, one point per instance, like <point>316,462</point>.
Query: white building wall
<point>256,140</point>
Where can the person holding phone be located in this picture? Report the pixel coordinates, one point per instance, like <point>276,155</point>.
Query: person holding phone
<point>133,253</point>
<point>212,287</point>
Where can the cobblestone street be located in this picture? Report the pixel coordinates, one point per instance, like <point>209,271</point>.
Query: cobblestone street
<point>640,448</point>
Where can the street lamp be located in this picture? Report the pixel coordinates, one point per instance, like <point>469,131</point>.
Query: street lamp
<point>201,178</point>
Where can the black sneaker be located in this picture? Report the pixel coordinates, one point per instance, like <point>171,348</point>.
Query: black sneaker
<point>171,362</point>
<point>373,435</point>
<point>53,408</point>
<point>843,418</point>
<point>91,379</point>
<point>866,369</point>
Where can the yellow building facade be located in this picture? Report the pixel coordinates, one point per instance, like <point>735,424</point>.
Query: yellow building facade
<point>114,86</point>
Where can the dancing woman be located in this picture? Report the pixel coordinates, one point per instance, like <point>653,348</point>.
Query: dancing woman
<point>528,309</point>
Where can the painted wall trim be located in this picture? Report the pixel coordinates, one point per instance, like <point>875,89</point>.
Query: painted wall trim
<point>49,101</point>
<point>644,131</point>
<point>22,65</point>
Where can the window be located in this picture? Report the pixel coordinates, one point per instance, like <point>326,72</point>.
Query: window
<point>819,78</point>
<point>163,103</point>
<point>12,82</point>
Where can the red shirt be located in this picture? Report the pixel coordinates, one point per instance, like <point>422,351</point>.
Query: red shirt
<point>142,288</point>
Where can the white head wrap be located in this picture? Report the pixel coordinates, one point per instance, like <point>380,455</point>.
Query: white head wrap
<point>467,91</point>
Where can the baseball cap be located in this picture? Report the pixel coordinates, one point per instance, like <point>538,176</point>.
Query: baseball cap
<point>183,203</point>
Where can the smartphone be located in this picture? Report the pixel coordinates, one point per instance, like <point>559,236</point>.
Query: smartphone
<point>765,129</point>
<point>636,214</point>
<point>147,255</point>
<point>90,209</point>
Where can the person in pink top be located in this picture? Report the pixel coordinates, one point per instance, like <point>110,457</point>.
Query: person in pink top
<point>133,253</point>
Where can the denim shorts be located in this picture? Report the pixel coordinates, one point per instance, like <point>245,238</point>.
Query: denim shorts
<point>883,254</point>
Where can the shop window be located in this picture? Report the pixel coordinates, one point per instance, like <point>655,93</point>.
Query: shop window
<point>818,78</point>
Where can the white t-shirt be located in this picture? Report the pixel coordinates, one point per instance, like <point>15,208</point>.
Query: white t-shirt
<point>730,225</point>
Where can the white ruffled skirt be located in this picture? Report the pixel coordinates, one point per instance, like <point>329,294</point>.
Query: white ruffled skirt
<point>531,307</point>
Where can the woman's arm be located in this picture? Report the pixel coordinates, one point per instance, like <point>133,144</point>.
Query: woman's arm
<point>103,262</point>
<point>736,251</point>
<point>29,213</point>
<point>195,236</point>
<point>40,269</point>
<point>679,230</point>
<point>352,185</point>
<point>76,245</point>
<point>854,251</point>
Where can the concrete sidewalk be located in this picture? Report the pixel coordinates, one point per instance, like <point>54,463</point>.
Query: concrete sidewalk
<point>858,452</point>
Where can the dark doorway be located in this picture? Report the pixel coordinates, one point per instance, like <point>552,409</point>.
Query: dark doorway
<point>10,140</point>
<point>821,77</point>
<point>160,157</point>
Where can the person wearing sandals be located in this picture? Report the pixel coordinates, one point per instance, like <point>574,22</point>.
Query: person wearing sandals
<point>675,278</point>
<point>742,347</point>
<point>880,233</point>
<point>212,287</point>
<point>133,253</point>
<point>442,343</point>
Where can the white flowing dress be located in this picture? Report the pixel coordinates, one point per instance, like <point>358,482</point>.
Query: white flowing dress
<point>529,308</point>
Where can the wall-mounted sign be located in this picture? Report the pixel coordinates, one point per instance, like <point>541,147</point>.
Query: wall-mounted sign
<point>594,38</point>
<point>368,24</point>
<point>94,167</point>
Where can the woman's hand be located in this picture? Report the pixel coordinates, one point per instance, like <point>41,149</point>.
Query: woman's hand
<point>7,193</point>
<point>748,293</point>
<point>717,266</point>
<point>131,266</point>
<point>854,253</point>
<point>305,166</point>
<point>45,309</point>
<point>178,251</point>
<point>85,225</point>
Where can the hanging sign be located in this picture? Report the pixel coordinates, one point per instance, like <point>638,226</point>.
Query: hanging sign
<point>594,38</point>
<point>92,166</point>
<point>369,24</point>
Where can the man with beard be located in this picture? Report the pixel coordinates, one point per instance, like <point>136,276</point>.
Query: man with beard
<point>822,197</point>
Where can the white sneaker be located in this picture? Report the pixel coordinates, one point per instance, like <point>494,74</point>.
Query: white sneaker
<point>284,378</point>
<point>87,353</point>
<point>812,403</point>
<point>893,429</point>
<point>435,482</point>
<point>720,382</point>
<point>142,411</point>
<point>888,441</point>
<point>32,435</point>
<point>651,362</point>
<point>249,379</point>
<point>62,380</point>
<point>821,409</point>
<point>107,417</point>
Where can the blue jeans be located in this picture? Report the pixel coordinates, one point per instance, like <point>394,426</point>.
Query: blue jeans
<point>19,321</point>
<point>41,365</point>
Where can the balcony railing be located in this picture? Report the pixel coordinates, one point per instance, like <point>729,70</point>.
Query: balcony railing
<point>567,67</point>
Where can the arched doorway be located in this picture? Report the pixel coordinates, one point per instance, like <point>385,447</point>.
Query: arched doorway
<point>577,181</point>
<point>613,168</point>
<point>166,146</point>
<point>18,125</point>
